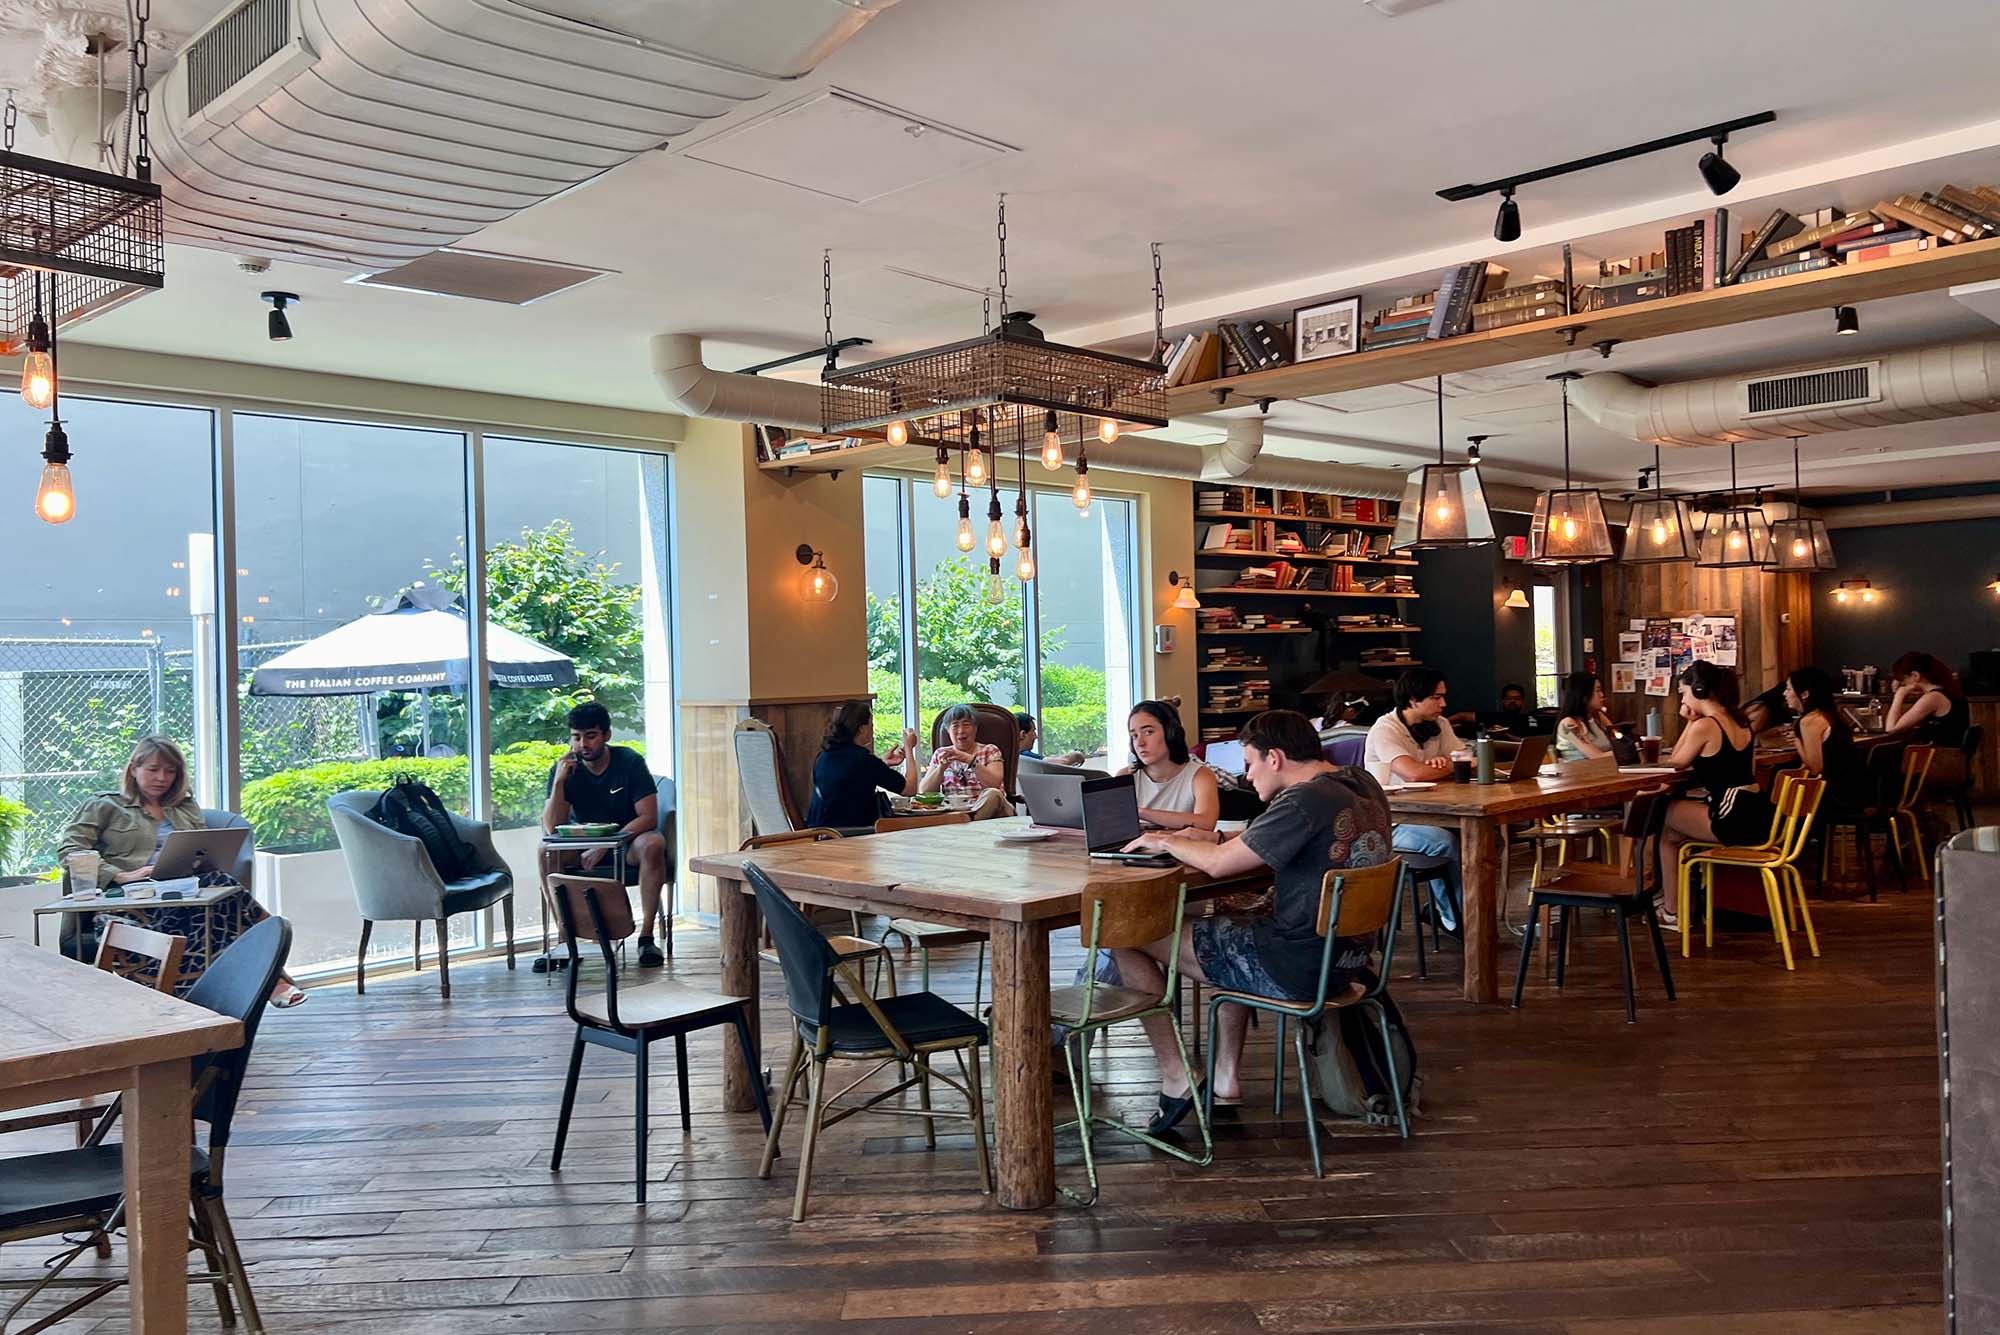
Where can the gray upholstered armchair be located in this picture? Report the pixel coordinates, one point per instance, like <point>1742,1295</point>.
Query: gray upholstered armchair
<point>395,881</point>
<point>246,861</point>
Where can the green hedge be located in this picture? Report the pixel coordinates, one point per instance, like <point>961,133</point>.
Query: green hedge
<point>288,811</point>
<point>14,818</point>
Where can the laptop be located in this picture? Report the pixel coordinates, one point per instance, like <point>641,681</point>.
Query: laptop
<point>1111,821</point>
<point>197,852</point>
<point>1528,758</point>
<point>1055,801</point>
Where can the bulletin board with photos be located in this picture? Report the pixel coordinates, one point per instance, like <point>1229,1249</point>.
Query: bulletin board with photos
<point>1654,651</point>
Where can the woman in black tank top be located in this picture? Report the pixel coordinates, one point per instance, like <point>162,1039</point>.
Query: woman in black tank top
<point>1826,740</point>
<point>1929,704</point>
<point>1718,746</point>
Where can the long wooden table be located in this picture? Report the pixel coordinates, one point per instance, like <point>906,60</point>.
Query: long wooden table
<point>1481,813</point>
<point>957,875</point>
<point>68,1030</point>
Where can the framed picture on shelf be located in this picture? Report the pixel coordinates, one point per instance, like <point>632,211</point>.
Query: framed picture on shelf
<point>1330,329</point>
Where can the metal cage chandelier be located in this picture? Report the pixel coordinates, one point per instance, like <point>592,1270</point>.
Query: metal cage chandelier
<point>1568,527</point>
<point>1734,535</point>
<point>1003,387</point>
<point>1800,543</point>
<point>1660,528</point>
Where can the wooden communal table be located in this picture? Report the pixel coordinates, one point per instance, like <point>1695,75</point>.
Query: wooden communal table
<point>1481,813</point>
<point>68,1030</point>
<point>961,876</point>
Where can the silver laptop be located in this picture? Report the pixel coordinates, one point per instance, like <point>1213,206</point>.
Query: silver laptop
<point>1528,758</point>
<point>1111,821</point>
<point>198,852</point>
<point>1054,800</point>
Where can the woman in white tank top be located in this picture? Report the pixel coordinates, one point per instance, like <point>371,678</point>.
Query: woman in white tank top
<point>1174,789</point>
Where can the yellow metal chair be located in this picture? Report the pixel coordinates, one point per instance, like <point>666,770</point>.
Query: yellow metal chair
<point>1916,768</point>
<point>1694,847</point>
<point>1777,864</point>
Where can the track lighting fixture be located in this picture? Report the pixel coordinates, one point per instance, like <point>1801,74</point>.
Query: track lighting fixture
<point>1507,222</point>
<point>1720,176</point>
<point>1472,444</point>
<point>1846,320</point>
<point>280,327</point>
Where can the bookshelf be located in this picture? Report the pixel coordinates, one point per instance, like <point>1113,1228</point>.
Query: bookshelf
<point>1323,627</point>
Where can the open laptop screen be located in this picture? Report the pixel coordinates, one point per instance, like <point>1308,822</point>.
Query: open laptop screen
<point>1110,813</point>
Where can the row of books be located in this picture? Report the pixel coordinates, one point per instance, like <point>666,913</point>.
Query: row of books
<point>1285,575</point>
<point>1265,537</point>
<point>1212,619</point>
<point>1229,656</point>
<point>1232,347</point>
<point>1281,504</point>
<point>1387,658</point>
<point>1368,621</point>
<point>1251,694</point>
<point>777,442</point>
<point>1444,313</point>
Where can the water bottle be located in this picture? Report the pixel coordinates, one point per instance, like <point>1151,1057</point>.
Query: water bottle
<point>1483,755</point>
<point>1653,722</point>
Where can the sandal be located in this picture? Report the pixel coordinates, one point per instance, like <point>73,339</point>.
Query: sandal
<point>1173,1111</point>
<point>290,997</point>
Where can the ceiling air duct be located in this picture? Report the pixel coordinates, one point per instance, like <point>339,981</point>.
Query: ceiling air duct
<point>363,133</point>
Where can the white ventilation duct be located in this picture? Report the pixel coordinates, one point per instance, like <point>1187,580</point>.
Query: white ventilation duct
<point>1938,510</point>
<point>1918,384</point>
<point>364,133</point>
<point>694,390</point>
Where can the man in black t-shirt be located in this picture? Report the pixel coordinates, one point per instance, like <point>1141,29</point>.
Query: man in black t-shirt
<point>599,782</point>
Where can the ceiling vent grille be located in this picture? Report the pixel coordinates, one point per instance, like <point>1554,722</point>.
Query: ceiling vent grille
<point>232,49</point>
<point>509,279</point>
<point>1836,387</point>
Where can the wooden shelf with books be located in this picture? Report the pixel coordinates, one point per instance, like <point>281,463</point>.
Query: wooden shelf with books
<point>1275,630</point>
<point>1397,629</point>
<point>1384,524</point>
<point>1925,269</point>
<point>1241,553</point>
<point>1228,591</point>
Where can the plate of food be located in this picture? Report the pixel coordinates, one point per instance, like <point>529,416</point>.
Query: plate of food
<point>586,830</point>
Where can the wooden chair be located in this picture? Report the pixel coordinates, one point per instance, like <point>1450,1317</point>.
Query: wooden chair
<point>633,1022</point>
<point>848,947</point>
<point>1122,917</point>
<point>1626,895</point>
<point>926,936</point>
<point>1776,864</point>
<point>760,767</point>
<point>1353,902</point>
<point>1916,768</point>
<point>910,1028</point>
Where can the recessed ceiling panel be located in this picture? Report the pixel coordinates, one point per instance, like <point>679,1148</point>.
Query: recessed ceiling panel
<point>464,273</point>
<point>846,147</point>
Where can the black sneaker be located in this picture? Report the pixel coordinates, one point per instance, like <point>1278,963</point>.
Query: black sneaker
<point>649,954</point>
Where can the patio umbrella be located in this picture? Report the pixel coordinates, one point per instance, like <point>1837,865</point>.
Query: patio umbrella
<point>417,645</point>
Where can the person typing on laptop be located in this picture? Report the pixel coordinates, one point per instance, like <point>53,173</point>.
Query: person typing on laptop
<point>1318,817</point>
<point>1413,743</point>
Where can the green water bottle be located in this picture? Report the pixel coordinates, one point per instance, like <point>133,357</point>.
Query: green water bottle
<point>1483,754</point>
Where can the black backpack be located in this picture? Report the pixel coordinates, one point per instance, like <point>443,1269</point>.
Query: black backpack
<point>410,807</point>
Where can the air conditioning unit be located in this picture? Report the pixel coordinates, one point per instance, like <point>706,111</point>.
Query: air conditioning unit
<point>236,61</point>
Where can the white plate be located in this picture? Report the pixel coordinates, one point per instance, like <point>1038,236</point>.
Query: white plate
<point>1410,786</point>
<point>1024,836</point>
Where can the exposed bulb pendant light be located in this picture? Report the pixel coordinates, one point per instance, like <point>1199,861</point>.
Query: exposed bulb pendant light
<point>941,484</point>
<point>55,495</point>
<point>898,432</point>
<point>975,458</point>
<point>1659,528</point>
<point>1024,568</point>
<point>1052,450</point>
<point>996,588</point>
<point>1568,527</point>
<point>1734,535</point>
<point>966,541</point>
<point>1800,543</point>
<point>38,368</point>
<point>996,537</point>
<point>1080,494</point>
<point>1444,504</point>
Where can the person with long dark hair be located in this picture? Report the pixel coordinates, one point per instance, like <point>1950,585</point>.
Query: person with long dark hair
<point>1826,738</point>
<point>1719,747</point>
<point>847,773</point>
<point>1585,730</point>
<point>1929,704</point>
<point>1174,788</point>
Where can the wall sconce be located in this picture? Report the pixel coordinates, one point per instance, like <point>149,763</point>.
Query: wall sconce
<point>1184,601</point>
<point>817,584</point>
<point>1995,585</point>
<point>1857,590</point>
<point>1516,598</point>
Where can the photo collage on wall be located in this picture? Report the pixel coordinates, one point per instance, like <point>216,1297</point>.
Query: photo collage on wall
<point>1654,652</point>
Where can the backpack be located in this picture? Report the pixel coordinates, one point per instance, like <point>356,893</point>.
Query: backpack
<point>410,807</point>
<point>1351,1076</point>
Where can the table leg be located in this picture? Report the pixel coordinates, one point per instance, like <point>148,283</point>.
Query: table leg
<point>739,924</point>
<point>1023,1127</point>
<point>1482,909</point>
<point>157,1136</point>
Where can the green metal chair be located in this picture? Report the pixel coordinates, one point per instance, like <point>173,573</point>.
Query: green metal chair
<point>1122,917</point>
<point>1353,902</point>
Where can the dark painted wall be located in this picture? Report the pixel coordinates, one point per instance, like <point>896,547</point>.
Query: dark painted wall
<point>1932,579</point>
<point>1478,644</point>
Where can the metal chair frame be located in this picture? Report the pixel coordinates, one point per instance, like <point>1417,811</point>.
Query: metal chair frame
<point>1776,865</point>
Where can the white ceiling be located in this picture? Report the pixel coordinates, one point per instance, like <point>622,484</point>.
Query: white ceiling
<point>1279,151</point>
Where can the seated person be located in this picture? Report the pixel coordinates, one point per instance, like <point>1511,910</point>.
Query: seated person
<point>1320,817</point>
<point>1031,732</point>
<point>1719,747</point>
<point>1826,739</point>
<point>128,828</point>
<point>1929,704</point>
<point>847,773</point>
<point>1513,716</point>
<point>1769,710</point>
<point>966,768</point>
<point>1174,788</point>
<point>1413,743</point>
<point>1585,730</point>
<point>601,783</point>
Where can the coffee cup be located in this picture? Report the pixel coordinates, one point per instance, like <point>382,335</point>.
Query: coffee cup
<point>1461,766</point>
<point>1649,747</point>
<point>84,866</point>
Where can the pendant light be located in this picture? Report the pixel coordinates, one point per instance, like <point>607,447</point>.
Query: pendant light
<point>1660,528</point>
<point>1444,504</point>
<point>38,368</point>
<point>1024,568</point>
<point>941,483</point>
<point>1800,543</point>
<point>966,542</point>
<point>55,498</point>
<point>1568,528</point>
<point>1733,535</point>
<point>1052,450</point>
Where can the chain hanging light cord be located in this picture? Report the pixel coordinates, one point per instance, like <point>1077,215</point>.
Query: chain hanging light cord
<point>142,97</point>
<point>826,303</point>
<point>1159,309</point>
<point>1002,231</point>
<point>13,116</point>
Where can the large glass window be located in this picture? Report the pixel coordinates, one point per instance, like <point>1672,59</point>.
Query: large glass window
<point>883,531</point>
<point>106,622</point>
<point>1086,624</point>
<point>340,524</point>
<point>1548,667</point>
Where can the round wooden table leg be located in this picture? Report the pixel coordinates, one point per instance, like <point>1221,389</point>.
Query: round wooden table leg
<point>1023,1128</point>
<point>739,929</point>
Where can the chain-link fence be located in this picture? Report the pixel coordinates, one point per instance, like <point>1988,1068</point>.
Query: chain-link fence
<point>72,708</point>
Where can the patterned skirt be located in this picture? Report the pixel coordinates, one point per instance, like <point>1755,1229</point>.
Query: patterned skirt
<point>208,930</point>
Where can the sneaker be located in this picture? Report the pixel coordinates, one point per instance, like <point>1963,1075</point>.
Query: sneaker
<point>649,954</point>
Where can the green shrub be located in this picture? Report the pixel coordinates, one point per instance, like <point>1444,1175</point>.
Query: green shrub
<point>14,818</point>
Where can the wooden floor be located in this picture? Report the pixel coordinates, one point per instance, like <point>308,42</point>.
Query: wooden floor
<point>1760,1159</point>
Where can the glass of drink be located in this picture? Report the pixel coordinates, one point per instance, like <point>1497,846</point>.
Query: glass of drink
<point>1649,747</point>
<point>1461,766</point>
<point>83,870</point>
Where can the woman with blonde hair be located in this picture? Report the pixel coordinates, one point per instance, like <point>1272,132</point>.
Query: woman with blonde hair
<point>128,828</point>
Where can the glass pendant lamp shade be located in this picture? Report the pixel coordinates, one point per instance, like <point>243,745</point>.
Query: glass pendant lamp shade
<point>1569,528</point>
<point>1444,504</point>
<point>1801,544</point>
<point>1734,537</point>
<point>1660,529</point>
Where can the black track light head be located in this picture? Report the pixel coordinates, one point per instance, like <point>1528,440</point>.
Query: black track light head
<point>1720,176</point>
<point>1845,320</point>
<point>280,327</point>
<point>1507,222</point>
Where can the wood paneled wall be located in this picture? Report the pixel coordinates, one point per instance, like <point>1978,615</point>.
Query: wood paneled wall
<point>1773,620</point>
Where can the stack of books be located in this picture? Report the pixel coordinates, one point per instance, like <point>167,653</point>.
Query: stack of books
<point>1790,243</point>
<point>1252,694</point>
<point>1391,584</point>
<point>1536,299</point>
<point>1386,657</point>
<point>1253,345</point>
<point>1228,656</point>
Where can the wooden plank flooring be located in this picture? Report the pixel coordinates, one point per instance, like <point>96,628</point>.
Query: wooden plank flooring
<point>1761,1159</point>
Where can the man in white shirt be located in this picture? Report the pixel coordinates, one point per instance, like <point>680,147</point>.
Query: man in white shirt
<point>1414,742</point>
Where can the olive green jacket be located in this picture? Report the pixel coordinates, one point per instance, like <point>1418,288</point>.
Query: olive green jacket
<point>117,827</point>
